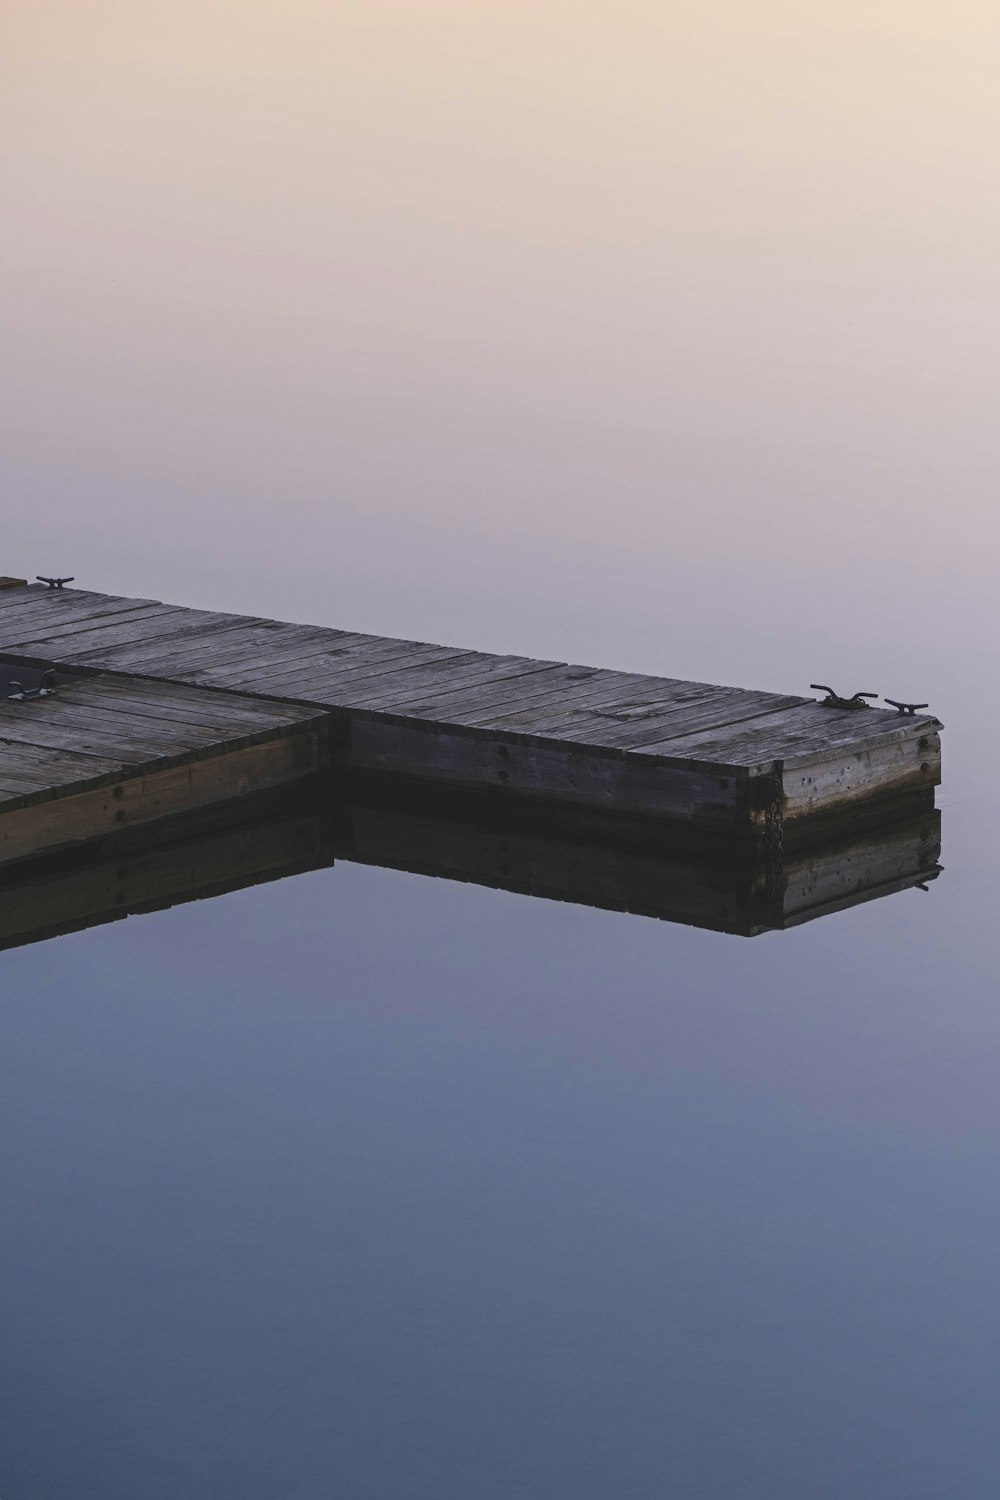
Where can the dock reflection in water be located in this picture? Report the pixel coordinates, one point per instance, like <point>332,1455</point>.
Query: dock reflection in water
<point>557,854</point>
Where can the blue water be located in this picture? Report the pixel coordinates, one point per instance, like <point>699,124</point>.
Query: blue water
<point>373,1185</point>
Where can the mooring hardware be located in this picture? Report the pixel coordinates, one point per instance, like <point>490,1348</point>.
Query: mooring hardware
<point>834,700</point>
<point>905,708</point>
<point>46,686</point>
<point>53,583</point>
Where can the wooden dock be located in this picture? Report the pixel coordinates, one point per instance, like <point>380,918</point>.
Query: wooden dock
<point>767,768</point>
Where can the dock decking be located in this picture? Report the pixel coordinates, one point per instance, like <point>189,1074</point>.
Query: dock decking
<point>740,763</point>
<point>104,753</point>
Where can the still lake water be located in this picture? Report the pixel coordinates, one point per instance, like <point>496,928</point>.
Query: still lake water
<point>370,1184</point>
<point>658,337</point>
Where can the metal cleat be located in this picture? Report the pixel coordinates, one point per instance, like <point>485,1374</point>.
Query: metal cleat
<point>834,700</point>
<point>906,708</point>
<point>53,583</point>
<point>45,689</point>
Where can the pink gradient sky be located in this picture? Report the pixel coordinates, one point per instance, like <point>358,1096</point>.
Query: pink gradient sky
<point>660,335</point>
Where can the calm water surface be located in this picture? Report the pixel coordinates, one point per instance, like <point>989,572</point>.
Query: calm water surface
<point>660,337</point>
<point>368,1184</point>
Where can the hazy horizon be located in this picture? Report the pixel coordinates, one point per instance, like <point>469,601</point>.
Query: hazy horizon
<point>492,318</point>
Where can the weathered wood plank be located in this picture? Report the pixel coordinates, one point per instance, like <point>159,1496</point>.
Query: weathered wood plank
<point>164,791</point>
<point>267,639</point>
<point>481,667</point>
<point>338,682</point>
<point>46,618</point>
<point>205,666</point>
<point>403,700</point>
<point>187,707</point>
<point>59,772</point>
<point>110,745</point>
<point>294,643</point>
<point>46,623</point>
<point>19,598</point>
<point>511,681</point>
<point>27,780</point>
<point>375,655</point>
<point>170,645</point>
<point>166,736</point>
<point>63,598</point>
<point>290,681</point>
<point>540,700</point>
<point>366,653</point>
<point>79,719</point>
<point>553,716</point>
<point>24,753</point>
<point>807,730</point>
<point>562,694</point>
<point>836,780</point>
<point>81,635</point>
<point>63,721</point>
<point>233,663</point>
<point>64,603</point>
<point>715,709</point>
<point>86,714</point>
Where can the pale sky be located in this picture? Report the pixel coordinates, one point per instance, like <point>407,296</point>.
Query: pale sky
<point>534,326</point>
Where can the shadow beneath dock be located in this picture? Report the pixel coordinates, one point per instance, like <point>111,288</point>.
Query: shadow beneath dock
<point>597,860</point>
